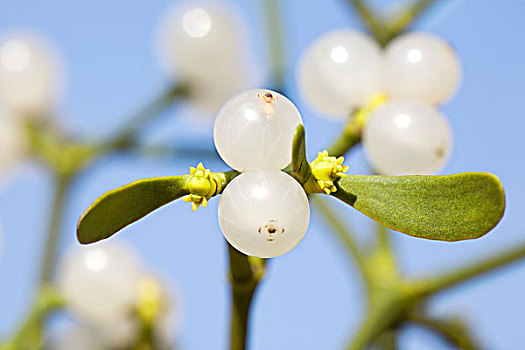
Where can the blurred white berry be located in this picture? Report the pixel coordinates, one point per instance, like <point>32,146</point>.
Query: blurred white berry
<point>255,129</point>
<point>201,43</point>
<point>80,337</point>
<point>264,213</point>
<point>12,141</point>
<point>99,282</point>
<point>31,76</point>
<point>159,301</point>
<point>406,137</point>
<point>156,302</point>
<point>340,71</point>
<point>421,66</point>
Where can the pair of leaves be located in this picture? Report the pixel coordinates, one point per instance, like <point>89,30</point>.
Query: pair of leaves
<point>448,208</point>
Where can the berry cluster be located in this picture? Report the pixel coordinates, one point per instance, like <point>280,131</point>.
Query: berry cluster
<point>201,44</point>
<point>263,212</point>
<point>107,288</point>
<point>343,71</point>
<point>30,85</point>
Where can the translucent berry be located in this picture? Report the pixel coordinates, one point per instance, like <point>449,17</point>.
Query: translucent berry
<point>264,213</point>
<point>156,306</point>
<point>254,130</point>
<point>340,71</point>
<point>99,282</point>
<point>421,66</point>
<point>12,141</point>
<point>30,73</point>
<point>201,43</point>
<point>405,137</point>
<point>80,337</point>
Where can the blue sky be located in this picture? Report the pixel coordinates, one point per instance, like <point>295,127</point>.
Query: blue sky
<point>311,297</point>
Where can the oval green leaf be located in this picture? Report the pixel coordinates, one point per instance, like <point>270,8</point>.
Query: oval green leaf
<point>447,208</point>
<point>122,206</point>
<point>300,167</point>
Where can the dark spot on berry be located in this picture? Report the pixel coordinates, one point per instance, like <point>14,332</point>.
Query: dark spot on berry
<point>440,153</point>
<point>272,230</point>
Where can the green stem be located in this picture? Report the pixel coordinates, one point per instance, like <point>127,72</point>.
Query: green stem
<point>133,125</point>
<point>387,340</point>
<point>272,15</point>
<point>369,18</point>
<point>168,151</point>
<point>349,138</point>
<point>383,238</point>
<point>245,275</point>
<point>475,270</point>
<point>452,331</point>
<point>409,16</point>
<point>344,235</point>
<point>62,183</point>
<point>374,325</point>
<point>383,31</point>
<point>30,334</point>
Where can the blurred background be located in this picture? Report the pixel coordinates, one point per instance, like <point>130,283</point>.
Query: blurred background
<point>311,297</point>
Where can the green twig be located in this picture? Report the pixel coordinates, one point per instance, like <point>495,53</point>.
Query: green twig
<point>383,238</point>
<point>272,14</point>
<point>409,16</point>
<point>344,235</point>
<point>453,331</point>
<point>437,284</point>
<point>384,30</point>
<point>30,335</point>
<point>387,340</point>
<point>169,151</point>
<point>62,183</point>
<point>245,275</point>
<point>369,18</point>
<point>350,137</point>
<point>133,125</point>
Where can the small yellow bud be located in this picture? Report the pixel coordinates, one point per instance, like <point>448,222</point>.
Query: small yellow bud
<point>326,170</point>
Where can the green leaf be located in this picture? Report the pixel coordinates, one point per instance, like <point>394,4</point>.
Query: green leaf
<point>122,206</point>
<point>447,208</point>
<point>300,166</point>
<point>300,169</point>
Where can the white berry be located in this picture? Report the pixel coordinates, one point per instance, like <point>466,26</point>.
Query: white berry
<point>405,137</point>
<point>340,71</point>
<point>151,290</point>
<point>99,282</point>
<point>421,66</point>
<point>12,141</point>
<point>30,73</point>
<point>201,43</point>
<point>264,213</point>
<point>79,337</point>
<point>255,129</point>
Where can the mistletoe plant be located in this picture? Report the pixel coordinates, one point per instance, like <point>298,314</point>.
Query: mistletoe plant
<point>264,212</point>
<point>391,83</point>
